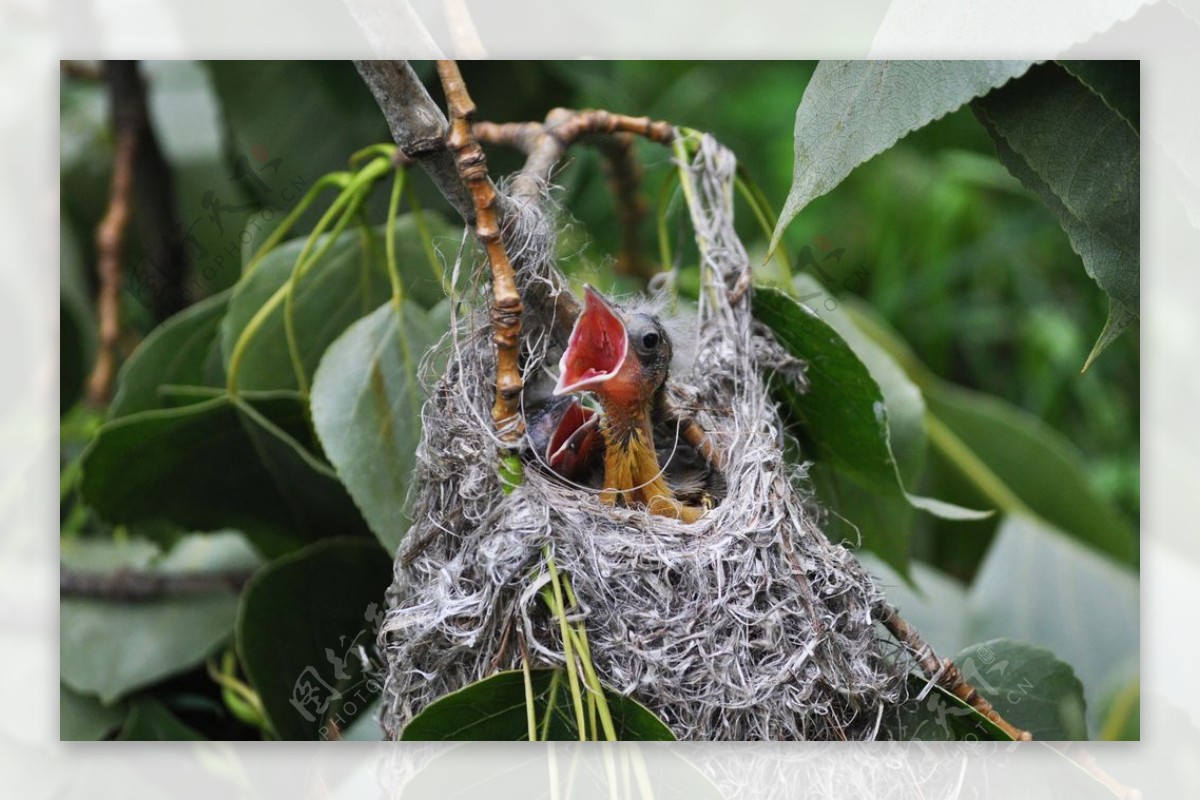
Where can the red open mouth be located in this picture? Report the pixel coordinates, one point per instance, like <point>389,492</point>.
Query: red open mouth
<point>596,349</point>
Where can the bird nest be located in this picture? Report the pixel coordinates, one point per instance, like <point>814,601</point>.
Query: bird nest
<point>746,625</point>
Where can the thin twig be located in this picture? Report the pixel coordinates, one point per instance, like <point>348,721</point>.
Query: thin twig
<point>506,298</point>
<point>138,586</point>
<point>945,673</point>
<point>110,237</point>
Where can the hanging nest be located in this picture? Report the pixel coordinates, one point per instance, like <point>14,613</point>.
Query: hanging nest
<point>746,625</point>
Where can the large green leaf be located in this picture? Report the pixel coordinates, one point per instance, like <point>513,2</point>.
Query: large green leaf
<point>1117,82</point>
<point>246,464</point>
<point>84,717</point>
<point>1035,462</point>
<point>275,109</point>
<point>1082,158</point>
<point>905,405</point>
<point>1030,687</point>
<point>300,628</point>
<point>150,720</point>
<point>1025,457</point>
<point>845,424</point>
<point>366,405</point>
<point>1027,685</point>
<point>853,110</point>
<point>1040,586</point>
<point>110,648</point>
<point>180,352</point>
<point>349,282</point>
<point>495,709</point>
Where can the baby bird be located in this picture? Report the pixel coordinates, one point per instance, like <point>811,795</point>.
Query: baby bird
<point>623,360</point>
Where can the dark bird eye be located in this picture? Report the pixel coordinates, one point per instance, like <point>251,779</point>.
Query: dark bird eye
<point>650,340</point>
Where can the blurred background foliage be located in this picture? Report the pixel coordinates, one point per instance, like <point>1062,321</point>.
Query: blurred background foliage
<point>965,272</point>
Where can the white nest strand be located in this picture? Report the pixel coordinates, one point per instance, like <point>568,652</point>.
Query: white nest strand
<point>747,625</point>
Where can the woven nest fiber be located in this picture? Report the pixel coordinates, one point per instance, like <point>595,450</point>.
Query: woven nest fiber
<point>746,625</point>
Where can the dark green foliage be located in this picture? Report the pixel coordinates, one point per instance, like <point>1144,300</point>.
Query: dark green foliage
<point>495,709</point>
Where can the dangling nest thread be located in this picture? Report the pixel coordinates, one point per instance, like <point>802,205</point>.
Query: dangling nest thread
<point>747,625</point>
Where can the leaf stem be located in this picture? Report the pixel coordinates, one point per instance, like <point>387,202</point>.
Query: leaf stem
<point>350,191</point>
<point>560,612</point>
<point>530,716</point>
<point>390,238</point>
<point>954,449</point>
<point>338,179</point>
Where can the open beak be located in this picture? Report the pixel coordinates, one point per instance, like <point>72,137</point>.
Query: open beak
<point>575,440</point>
<point>597,347</point>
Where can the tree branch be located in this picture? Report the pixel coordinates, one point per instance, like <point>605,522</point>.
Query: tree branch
<point>944,672</point>
<point>418,127</point>
<point>506,297</point>
<point>625,179</point>
<point>110,237</point>
<point>132,586</point>
<point>154,199</point>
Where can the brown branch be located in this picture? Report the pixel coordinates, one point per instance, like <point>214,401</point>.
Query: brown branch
<point>163,237</point>
<point>134,586</point>
<point>110,236</point>
<point>418,127</point>
<point>563,127</point>
<point>625,179</point>
<point>506,298</point>
<point>947,674</point>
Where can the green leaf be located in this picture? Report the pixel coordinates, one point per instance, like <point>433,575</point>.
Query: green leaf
<point>300,627</point>
<point>349,282</point>
<point>1039,585</point>
<point>905,405</point>
<point>932,714</point>
<point>1038,464</point>
<point>853,110</point>
<point>1120,718</point>
<point>495,709</point>
<point>844,422</point>
<point>274,108</point>
<point>1029,686</point>
<point>181,351</point>
<point>150,720</point>
<point>366,405</point>
<point>110,648</point>
<point>346,284</point>
<point>246,464</point>
<point>1117,82</point>
<point>84,717</point>
<point>1065,144</point>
